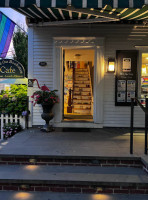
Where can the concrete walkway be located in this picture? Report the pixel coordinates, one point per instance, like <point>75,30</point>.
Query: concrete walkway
<point>75,142</point>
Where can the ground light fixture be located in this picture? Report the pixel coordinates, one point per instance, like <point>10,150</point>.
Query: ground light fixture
<point>111,65</point>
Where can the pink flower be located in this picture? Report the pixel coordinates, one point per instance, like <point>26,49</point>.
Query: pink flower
<point>46,99</point>
<point>31,101</point>
<point>51,97</point>
<point>32,96</point>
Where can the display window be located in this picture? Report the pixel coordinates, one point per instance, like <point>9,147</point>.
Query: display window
<point>144,76</point>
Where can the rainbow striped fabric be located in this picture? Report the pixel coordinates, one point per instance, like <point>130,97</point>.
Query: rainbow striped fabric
<point>6,32</point>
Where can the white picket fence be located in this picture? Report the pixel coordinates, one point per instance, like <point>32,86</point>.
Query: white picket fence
<point>10,119</point>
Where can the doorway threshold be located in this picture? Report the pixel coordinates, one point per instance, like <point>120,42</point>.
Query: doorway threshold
<point>78,124</point>
<point>78,120</point>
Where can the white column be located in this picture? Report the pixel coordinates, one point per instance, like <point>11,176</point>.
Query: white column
<point>98,84</point>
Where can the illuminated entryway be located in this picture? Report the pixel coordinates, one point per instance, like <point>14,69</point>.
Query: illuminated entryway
<point>93,50</point>
<point>78,84</point>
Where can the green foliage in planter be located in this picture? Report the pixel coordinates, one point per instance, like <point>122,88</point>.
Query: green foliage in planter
<point>11,129</point>
<point>14,101</point>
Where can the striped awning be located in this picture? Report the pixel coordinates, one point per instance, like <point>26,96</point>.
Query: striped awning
<point>75,3</point>
<point>92,10</point>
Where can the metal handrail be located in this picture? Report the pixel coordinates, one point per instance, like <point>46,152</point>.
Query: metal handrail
<point>145,110</point>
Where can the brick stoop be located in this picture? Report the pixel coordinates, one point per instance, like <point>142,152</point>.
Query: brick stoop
<point>74,186</point>
<point>120,188</point>
<point>136,162</point>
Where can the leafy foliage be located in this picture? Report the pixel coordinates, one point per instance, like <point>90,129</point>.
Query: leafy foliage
<point>11,129</point>
<point>14,101</point>
<point>20,43</point>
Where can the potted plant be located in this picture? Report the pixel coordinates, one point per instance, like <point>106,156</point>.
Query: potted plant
<point>47,98</point>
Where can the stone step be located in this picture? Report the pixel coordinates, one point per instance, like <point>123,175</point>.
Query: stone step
<point>17,195</point>
<point>79,179</point>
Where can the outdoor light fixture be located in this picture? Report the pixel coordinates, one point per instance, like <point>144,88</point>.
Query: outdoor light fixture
<point>111,65</point>
<point>24,187</point>
<point>32,160</point>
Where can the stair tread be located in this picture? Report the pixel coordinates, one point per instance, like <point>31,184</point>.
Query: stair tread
<point>13,195</point>
<point>81,104</point>
<point>72,173</point>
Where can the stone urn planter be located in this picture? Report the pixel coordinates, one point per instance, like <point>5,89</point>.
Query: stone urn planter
<point>47,115</point>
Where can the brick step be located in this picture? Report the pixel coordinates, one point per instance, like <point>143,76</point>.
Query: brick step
<point>75,179</point>
<point>16,195</point>
<point>73,160</point>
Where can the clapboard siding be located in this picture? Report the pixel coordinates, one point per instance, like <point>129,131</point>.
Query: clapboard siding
<point>42,51</point>
<point>117,37</point>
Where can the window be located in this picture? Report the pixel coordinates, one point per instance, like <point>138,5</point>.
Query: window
<point>144,75</point>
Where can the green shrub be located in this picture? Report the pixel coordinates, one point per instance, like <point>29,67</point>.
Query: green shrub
<point>14,101</point>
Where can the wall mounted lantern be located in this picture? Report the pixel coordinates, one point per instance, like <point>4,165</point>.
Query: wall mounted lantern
<point>111,65</point>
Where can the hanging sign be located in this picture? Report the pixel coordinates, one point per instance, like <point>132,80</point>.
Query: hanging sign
<point>126,77</point>
<point>11,69</point>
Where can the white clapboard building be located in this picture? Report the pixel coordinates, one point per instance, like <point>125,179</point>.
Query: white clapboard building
<point>94,51</point>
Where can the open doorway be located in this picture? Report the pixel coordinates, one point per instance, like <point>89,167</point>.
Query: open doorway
<point>78,84</point>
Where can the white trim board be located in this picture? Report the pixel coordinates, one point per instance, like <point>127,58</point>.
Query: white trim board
<point>70,43</point>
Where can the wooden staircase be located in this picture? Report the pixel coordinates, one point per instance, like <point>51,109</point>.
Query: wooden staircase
<point>82,93</point>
